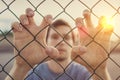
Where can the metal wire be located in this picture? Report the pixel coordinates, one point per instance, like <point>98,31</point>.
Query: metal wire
<point>4,36</point>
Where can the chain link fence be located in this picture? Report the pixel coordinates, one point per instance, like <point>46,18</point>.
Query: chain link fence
<point>66,9</point>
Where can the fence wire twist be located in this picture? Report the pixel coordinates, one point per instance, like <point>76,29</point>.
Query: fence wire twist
<point>4,35</point>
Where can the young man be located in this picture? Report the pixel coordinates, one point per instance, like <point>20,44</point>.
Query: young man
<point>32,50</point>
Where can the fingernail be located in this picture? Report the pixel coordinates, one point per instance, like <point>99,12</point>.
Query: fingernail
<point>30,13</point>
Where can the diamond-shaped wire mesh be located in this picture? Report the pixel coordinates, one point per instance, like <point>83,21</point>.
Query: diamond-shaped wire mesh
<point>69,10</point>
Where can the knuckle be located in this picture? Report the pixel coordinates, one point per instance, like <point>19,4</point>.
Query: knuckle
<point>14,24</point>
<point>28,9</point>
<point>22,16</point>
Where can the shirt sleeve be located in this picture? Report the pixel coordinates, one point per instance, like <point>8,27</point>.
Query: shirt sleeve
<point>30,75</point>
<point>87,76</point>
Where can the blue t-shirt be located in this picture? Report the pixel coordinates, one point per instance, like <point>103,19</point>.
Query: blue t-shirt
<point>74,71</point>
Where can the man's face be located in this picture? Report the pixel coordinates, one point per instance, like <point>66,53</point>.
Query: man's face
<point>56,39</point>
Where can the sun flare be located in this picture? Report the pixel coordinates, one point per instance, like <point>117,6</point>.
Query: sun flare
<point>108,22</point>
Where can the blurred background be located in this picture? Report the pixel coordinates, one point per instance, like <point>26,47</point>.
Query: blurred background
<point>69,10</point>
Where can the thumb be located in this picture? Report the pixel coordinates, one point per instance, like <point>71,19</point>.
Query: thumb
<point>52,52</point>
<point>79,50</point>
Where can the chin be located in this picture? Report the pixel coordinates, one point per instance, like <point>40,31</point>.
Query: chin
<point>61,59</point>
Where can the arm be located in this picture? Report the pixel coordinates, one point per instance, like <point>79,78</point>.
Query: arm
<point>33,53</point>
<point>97,43</point>
<point>17,72</point>
<point>103,74</point>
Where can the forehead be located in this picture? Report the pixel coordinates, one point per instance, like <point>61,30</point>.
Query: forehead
<point>63,29</point>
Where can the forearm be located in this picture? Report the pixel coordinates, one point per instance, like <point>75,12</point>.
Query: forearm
<point>101,74</point>
<point>17,73</point>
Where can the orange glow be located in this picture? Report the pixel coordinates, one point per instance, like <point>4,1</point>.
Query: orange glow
<point>108,22</point>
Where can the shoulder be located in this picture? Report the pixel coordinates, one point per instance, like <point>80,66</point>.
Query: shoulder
<point>34,73</point>
<point>75,65</point>
<point>78,69</point>
<point>38,68</point>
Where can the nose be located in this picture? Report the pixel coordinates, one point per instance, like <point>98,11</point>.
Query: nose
<point>61,42</point>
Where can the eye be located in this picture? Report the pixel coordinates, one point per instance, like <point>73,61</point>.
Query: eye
<point>67,37</point>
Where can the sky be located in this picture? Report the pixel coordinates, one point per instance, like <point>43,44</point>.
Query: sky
<point>55,7</point>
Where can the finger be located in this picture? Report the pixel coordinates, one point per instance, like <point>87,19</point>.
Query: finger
<point>87,16</point>
<point>108,28</point>
<point>16,26</point>
<point>76,37</point>
<point>44,25</point>
<point>46,21</point>
<point>81,27</point>
<point>101,21</point>
<point>103,33</point>
<point>52,52</point>
<point>103,39</point>
<point>79,22</point>
<point>100,25</point>
<point>107,32</point>
<point>24,20</point>
<point>30,14</point>
<point>79,50</point>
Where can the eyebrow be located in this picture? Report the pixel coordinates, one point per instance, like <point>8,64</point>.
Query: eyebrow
<point>64,35</point>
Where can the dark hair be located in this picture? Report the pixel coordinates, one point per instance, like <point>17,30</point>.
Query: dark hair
<point>58,23</point>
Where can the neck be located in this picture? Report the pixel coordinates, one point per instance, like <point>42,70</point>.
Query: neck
<point>58,66</point>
